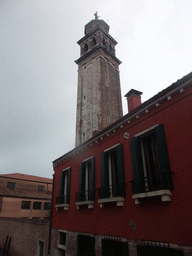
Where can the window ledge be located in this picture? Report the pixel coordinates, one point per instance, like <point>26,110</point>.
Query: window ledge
<point>60,246</point>
<point>90,204</point>
<point>164,193</point>
<point>64,206</point>
<point>119,200</point>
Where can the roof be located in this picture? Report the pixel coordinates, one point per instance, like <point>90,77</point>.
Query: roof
<point>20,176</point>
<point>160,97</point>
<point>24,193</point>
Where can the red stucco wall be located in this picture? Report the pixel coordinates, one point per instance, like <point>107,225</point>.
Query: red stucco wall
<point>155,220</point>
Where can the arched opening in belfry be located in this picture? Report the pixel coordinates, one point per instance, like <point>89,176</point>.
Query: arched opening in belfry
<point>94,42</point>
<point>111,48</point>
<point>104,42</point>
<point>85,47</point>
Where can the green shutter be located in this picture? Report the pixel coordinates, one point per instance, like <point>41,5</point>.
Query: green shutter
<point>82,182</point>
<point>163,158</point>
<point>61,187</point>
<point>120,172</point>
<point>104,175</point>
<point>68,185</point>
<point>137,166</point>
<point>92,180</point>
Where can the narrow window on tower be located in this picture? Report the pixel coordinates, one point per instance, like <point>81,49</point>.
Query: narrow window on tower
<point>104,42</point>
<point>85,47</point>
<point>94,42</point>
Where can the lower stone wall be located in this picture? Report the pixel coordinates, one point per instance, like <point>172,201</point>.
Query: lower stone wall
<point>25,234</point>
<point>70,246</point>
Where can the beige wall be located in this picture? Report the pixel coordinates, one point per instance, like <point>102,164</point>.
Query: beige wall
<point>25,184</point>
<point>25,235</point>
<point>11,207</point>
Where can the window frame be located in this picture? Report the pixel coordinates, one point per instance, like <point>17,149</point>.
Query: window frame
<point>59,244</point>
<point>25,208</point>
<point>86,193</point>
<point>110,192</point>
<point>48,207</point>
<point>62,201</point>
<point>160,182</point>
<point>41,188</point>
<point>37,203</point>
<point>11,185</point>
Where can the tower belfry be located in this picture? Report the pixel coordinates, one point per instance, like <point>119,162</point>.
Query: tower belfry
<point>99,94</point>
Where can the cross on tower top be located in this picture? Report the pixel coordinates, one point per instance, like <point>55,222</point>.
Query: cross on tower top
<point>96,16</point>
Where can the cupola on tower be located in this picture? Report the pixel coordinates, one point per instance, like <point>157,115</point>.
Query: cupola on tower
<point>99,95</point>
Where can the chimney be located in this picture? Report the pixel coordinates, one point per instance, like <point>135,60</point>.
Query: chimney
<point>95,132</point>
<point>133,99</point>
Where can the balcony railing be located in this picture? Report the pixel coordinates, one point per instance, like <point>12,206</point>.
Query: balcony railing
<point>152,183</point>
<point>115,190</point>
<point>86,195</point>
<point>61,199</point>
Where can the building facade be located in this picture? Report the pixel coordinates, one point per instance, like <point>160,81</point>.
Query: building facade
<point>127,190</point>
<point>99,94</point>
<point>25,196</point>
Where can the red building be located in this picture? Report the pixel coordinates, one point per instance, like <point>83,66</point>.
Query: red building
<point>127,190</point>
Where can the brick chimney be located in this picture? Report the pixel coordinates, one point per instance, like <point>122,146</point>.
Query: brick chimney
<point>133,99</point>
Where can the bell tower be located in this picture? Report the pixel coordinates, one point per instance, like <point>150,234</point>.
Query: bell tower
<point>99,93</point>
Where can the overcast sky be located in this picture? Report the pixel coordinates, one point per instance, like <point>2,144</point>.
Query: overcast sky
<point>38,76</point>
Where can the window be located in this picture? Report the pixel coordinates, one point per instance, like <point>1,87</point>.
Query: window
<point>86,181</point>
<point>25,205</point>
<point>11,185</point>
<point>94,42</point>
<point>47,205</point>
<point>64,188</point>
<point>62,242</point>
<point>41,188</point>
<point>85,47</point>
<point>40,248</point>
<point>62,238</point>
<point>112,173</point>
<point>104,42</point>
<point>150,162</point>
<point>36,205</point>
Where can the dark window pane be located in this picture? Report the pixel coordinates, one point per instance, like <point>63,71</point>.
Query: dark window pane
<point>25,205</point>
<point>62,238</point>
<point>37,205</point>
<point>11,185</point>
<point>41,188</point>
<point>47,205</point>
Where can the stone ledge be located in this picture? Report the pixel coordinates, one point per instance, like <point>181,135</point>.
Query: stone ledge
<point>64,206</point>
<point>90,204</point>
<point>119,200</point>
<point>164,193</point>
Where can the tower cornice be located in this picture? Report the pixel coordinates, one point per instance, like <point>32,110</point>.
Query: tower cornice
<point>96,29</point>
<point>99,46</point>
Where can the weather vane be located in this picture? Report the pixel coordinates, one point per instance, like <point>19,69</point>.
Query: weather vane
<point>96,16</point>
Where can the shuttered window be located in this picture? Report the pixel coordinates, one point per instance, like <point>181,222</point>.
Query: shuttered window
<point>87,180</point>
<point>150,162</point>
<point>64,188</point>
<point>112,173</point>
